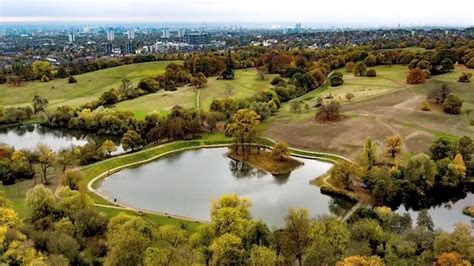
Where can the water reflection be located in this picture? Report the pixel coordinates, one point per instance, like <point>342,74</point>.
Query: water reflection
<point>29,136</point>
<point>185,183</point>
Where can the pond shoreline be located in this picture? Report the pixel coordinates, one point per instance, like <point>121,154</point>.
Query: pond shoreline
<point>95,181</point>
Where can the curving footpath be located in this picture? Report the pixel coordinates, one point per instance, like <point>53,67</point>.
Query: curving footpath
<point>333,158</point>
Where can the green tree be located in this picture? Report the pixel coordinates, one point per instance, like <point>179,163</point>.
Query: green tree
<point>360,69</point>
<point>227,250</point>
<point>424,220</point>
<point>131,140</point>
<point>108,147</point>
<point>42,68</point>
<point>420,173</point>
<point>243,127</point>
<point>262,256</point>
<point>453,105</point>
<point>346,174</point>
<point>230,214</point>
<point>441,148</point>
<point>199,81</point>
<point>46,158</point>
<point>39,104</point>
<point>466,148</point>
<point>369,156</point>
<point>40,202</point>
<point>296,237</point>
<point>281,150</point>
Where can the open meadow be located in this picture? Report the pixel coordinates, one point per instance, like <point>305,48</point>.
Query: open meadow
<point>388,106</point>
<point>89,86</point>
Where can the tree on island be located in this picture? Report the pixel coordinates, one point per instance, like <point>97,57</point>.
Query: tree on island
<point>243,128</point>
<point>281,150</point>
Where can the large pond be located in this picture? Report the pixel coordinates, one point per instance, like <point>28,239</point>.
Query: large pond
<point>28,136</point>
<point>185,183</point>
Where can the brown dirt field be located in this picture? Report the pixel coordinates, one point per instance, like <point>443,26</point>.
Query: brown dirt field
<point>397,113</point>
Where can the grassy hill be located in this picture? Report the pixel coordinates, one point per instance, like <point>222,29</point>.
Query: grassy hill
<point>245,84</point>
<point>89,86</point>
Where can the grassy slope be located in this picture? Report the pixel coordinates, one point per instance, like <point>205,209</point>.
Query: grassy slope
<point>89,86</point>
<point>245,84</point>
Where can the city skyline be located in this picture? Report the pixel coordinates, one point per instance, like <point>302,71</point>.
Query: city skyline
<point>364,13</point>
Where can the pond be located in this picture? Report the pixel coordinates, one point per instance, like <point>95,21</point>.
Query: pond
<point>446,215</point>
<point>28,136</point>
<point>185,183</point>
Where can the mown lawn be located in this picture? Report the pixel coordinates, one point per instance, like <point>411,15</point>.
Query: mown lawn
<point>89,86</point>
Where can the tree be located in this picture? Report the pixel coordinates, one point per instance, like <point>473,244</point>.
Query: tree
<point>439,94</point>
<point>349,96</point>
<point>420,173</point>
<point>329,241</point>
<point>424,220</point>
<point>470,63</point>
<point>393,145</point>
<point>441,148</point>
<point>350,67</point>
<point>227,250</point>
<point>453,104</point>
<point>42,68</point>
<point>62,73</point>
<point>127,240</point>
<point>68,157</point>
<point>199,81</point>
<point>131,140</point>
<point>329,111</point>
<point>72,178</point>
<point>109,97</point>
<point>230,214</point>
<point>369,156</point>
<point>345,174</point>
<point>40,202</point>
<point>202,240</point>
<point>416,76</point>
<point>360,69</point>
<point>281,150</point>
<point>243,127</point>
<point>46,159</point>
<point>149,85</point>
<point>108,147</point>
<point>335,79</point>
<point>361,261</point>
<point>39,104</point>
<point>262,256</point>
<point>465,77</point>
<point>296,236</point>
<point>261,71</point>
<point>450,259</point>
<point>466,148</point>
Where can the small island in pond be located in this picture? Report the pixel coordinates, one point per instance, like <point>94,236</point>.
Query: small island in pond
<point>469,211</point>
<point>277,161</point>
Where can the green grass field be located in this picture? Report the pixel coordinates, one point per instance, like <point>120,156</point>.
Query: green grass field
<point>388,79</point>
<point>244,85</point>
<point>89,86</point>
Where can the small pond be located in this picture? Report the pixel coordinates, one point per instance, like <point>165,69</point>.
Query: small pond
<point>28,136</point>
<point>446,215</point>
<point>185,183</point>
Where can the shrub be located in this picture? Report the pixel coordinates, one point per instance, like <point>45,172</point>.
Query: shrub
<point>371,73</point>
<point>349,96</point>
<point>329,111</point>
<point>278,81</point>
<point>72,79</point>
<point>335,79</point>
<point>470,63</point>
<point>416,76</point>
<point>465,78</point>
<point>44,78</point>
<point>425,106</point>
<point>453,104</point>
<point>3,79</point>
<point>350,67</point>
<point>359,69</point>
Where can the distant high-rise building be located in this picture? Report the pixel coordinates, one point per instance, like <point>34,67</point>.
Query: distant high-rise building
<point>109,48</point>
<point>165,34</point>
<point>130,47</point>
<point>198,38</point>
<point>298,27</point>
<point>181,33</point>
<point>71,37</point>
<point>110,35</point>
<point>131,34</point>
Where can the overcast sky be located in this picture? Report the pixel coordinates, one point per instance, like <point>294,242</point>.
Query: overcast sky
<point>310,12</point>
